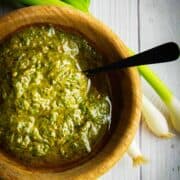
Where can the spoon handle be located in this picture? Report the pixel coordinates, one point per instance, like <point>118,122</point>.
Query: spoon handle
<point>163,53</point>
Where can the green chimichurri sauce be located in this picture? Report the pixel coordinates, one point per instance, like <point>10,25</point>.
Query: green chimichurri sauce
<point>48,108</point>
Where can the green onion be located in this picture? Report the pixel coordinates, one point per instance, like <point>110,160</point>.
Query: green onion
<point>174,110</point>
<point>79,4</point>
<point>155,120</point>
<point>42,2</point>
<point>18,3</point>
<point>172,103</point>
<point>136,155</point>
<point>156,83</point>
<point>82,5</point>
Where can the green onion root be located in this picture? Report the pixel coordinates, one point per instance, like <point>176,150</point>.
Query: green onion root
<point>136,155</point>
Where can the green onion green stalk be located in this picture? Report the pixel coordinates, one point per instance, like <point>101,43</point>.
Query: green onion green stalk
<point>82,5</point>
<point>171,102</point>
<point>79,4</point>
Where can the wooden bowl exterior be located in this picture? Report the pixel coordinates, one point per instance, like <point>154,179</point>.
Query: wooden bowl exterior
<point>110,45</point>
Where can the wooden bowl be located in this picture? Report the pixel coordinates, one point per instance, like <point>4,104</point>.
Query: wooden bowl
<point>125,86</point>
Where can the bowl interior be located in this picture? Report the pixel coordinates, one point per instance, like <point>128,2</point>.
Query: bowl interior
<point>124,85</point>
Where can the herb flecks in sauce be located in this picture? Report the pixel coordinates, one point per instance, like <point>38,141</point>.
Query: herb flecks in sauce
<point>47,105</point>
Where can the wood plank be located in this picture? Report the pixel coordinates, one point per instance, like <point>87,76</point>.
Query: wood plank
<point>121,16</point>
<point>159,23</point>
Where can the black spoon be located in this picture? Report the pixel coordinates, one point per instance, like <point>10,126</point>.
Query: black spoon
<point>163,53</point>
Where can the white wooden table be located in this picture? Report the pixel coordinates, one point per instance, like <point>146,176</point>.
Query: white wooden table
<point>142,24</point>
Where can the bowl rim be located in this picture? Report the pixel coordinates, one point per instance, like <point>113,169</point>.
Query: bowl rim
<point>69,17</point>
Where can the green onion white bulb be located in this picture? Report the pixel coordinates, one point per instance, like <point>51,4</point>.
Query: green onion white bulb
<point>155,120</point>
